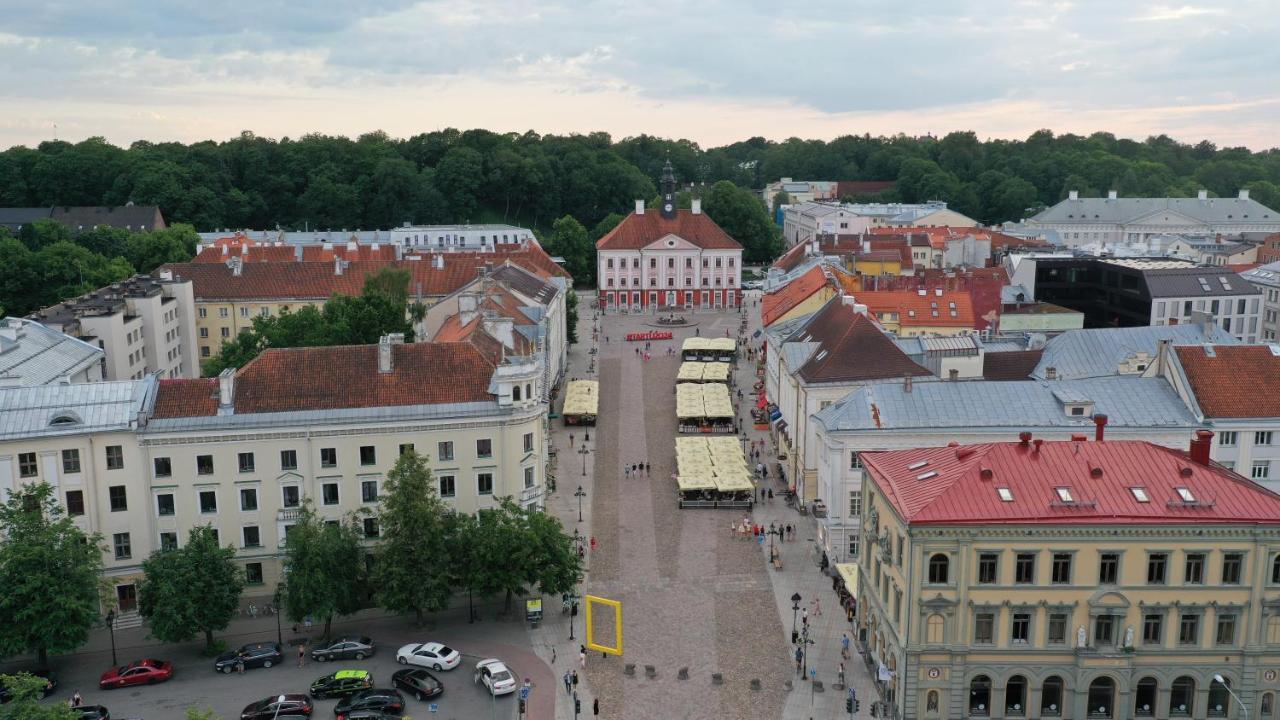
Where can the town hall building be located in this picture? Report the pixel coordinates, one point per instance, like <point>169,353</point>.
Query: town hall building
<point>668,258</point>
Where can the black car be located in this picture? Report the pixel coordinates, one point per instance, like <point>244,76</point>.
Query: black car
<point>91,712</point>
<point>254,655</point>
<point>347,648</point>
<point>50,683</point>
<point>368,715</point>
<point>418,683</point>
<point>273,708</point>
<point>342,683</point>
<point>383,700</point>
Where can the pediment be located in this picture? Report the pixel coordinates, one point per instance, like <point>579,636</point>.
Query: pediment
<point>670,241</point>
<point>288,477</point>
<point>1164,216</point>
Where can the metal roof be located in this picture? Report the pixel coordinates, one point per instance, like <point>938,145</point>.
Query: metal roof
<point>78,409</point>
<point>1127,210</point>
<point>1268,275</point>
<point>1077,354</point>
<point>32,354</point>
<point>397,413</point>
<point>1018,404</point>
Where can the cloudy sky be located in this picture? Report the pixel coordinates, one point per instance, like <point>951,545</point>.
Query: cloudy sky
<point>714,71</point>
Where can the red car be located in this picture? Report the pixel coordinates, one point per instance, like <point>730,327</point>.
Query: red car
<point>142,672</point>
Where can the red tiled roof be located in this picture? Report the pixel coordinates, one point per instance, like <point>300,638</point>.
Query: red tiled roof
<point>947,486</point>
<point>1012,365</point>
<point>319,253</point>
<point>915,309</point>
<point>637,231</point>
<point>1238,381</point>
<point>851,347</point>
<point>780,302</point>
<point>247,251</point>
<point>341,377</point>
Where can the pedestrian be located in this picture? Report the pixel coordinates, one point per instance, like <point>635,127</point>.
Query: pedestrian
<point>841,672</point>
<point>586,437</point>
<point>844,646</point>
<point>593,549</point>
<point>770,493</point>
<point>626,471</point>
<point>817,606</point>
<point>575,678</point>
<point>240,664</point>
<point>804,615</point>
<point>646,468</point>
<point>582,658</point>
<point>302,653</point>
<point>799,657</point>
<point>595,707</point>
<point>570,439</point>
<point>567,686</point>
<point>76,700</point>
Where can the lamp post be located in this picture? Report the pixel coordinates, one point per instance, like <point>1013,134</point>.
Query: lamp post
<point>584,452</point>
<point>1223,682</point>
<point>111,627</point>
<point>795,608</point>
<point>580,493</point>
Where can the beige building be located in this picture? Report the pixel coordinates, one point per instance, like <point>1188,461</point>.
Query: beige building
<point>1073,579</point>
<point>143,462</point>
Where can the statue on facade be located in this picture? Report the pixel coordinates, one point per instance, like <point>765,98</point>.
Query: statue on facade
<point>1080,635</point>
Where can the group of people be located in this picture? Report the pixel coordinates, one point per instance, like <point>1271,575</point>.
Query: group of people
<point>635,469</point>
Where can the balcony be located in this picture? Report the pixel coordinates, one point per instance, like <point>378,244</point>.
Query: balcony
<point>288,514</point>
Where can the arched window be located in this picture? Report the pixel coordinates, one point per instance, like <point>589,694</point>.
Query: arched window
<point>1275,570</point>
<point>1015,696</point>
<point>1051,697</point>
<point>528,391</point>
<point>515,393</point>
<point>937,626</point>
<point>1144,700</point>
<point>1219,698</point>
<point>938,565</point>
<point>1102,694</point>
<point>931,702</point>
<point>980,696</point>
<point>1268,708</point>
<point>1182,697</point>
<point>1273,630</point>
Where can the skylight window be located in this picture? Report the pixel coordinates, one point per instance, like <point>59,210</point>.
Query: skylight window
<point>1186,494</point>
<point>1005,494</point>
<point>1140,494</point>
<point>927,475</point>
<point>917,465</point>
<point>1064,494</point>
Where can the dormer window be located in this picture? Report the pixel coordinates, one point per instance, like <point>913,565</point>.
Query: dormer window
<point>1186,494</point>
<point>62,420</point>
<point>1064,494</point>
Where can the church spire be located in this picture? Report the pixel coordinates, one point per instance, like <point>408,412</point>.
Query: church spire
<point>668,191</point>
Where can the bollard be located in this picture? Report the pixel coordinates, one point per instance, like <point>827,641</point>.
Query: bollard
<point>755,684</point>
<point>788,685</point>
<point>717,679</point>
<point>650,672</point>
<point>629,669</point>
<point>817,686</point>
<point>683,673</point>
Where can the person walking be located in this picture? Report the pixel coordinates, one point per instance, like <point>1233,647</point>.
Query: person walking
<point>302,653</point>
<point>817,607</point>
<point>568,688</point>
<point>844,646</point>
<point>799,658</point>
<point>570,439</point>
<point>626,471</point>
<point>76,700</point>
<point>582,658</point>
<point>841,674</point>
<point>595,707</point>
<point>575,679</point>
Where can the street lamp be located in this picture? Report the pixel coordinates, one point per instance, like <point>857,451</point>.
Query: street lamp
<point>584,452</point>
<point>1223,682</point>
<point>111,626</point>
<point>580,493</point>
<point>280,701</point>
<point>795,608</point>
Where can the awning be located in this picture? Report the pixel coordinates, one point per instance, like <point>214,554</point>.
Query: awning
<point>774,415</point>
<point>848,573</point>
<point>762,402</point>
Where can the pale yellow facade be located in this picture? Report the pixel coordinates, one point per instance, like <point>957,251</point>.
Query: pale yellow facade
<point>219,321</point>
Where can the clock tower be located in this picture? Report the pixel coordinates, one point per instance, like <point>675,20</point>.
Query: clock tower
<point>668,192</point>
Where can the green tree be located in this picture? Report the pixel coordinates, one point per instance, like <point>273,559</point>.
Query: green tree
<point>508,549</point>
<point>43,233</point>
<point>780,198</point>
<point>459,177</point>
<point>50,572</point>
<point>605,226</point>
<point>26,691</point>
<point>571,317</point>
<point>190,590</point>
<point>740,213</point>
<point>147,251</point>
<point>198,714</point>
<point>569,240</point>
<point>324,564</point>
<point>408,573</point>
<point>551,562</point>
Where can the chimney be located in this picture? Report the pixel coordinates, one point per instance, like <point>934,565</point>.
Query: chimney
<point>351,246</point>
<point>385,344</point>
<point>695,206</point>
<point>639,207</point>
<point>226,249</point>
<point>1051,373</point>
<point>166,274</point>
<point>1099,427</point>
<point>1111,194</point>
<point>1244,194</point>
<point>339,265</point>
<point>237,265</point>
<point>1037,443</point>
<point>1079,437</point>
<point>1202,195</point>
<point>226,391</point>
<point>1024,437</point>
<point>906,384</point>
<point>1200,446</point>
<point>1073,195</point>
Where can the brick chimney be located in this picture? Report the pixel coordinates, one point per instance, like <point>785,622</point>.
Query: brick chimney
<point>1099,423</point>
<point>1200,446</point>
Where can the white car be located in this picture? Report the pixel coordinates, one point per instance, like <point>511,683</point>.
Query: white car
<point>495,676</point>
<point>431,655</point>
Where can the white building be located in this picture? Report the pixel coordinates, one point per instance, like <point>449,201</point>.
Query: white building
<point>1267,281</point>
<point>1114,219</point>
<point>32,354</point>
<point>439,238</point>
<point>805,221</point>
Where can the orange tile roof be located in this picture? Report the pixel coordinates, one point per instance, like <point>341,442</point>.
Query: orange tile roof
<point>320,253</point>
<point>637,231</point>
<point>915,310</point>
<point>780,302</point>
<point>1237,381</point>
<point>247,251</point>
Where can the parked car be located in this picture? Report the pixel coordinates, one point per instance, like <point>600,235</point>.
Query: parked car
<point>141,672</point>
<point>273,708</point>
<point>368,715</point>
<point>418,683</point>
<point>347,648</point>
<point>91,712</point>
<point>342,683</point>
<point>254,655</point>
<point>384,700</point>
<point>50,683</point>
<point>429,654</point>
<point>495,676</point>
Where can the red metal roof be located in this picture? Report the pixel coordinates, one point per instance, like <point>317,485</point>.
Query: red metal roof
<point>637,231</point>
<point>914,309</point>
<point>780,302</point>
<point>960,485</point>
<point>1235,381</point>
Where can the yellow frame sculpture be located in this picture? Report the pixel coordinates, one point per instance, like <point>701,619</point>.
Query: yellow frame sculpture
<point>617,622</point>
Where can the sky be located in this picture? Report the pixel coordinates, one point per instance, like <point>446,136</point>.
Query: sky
<point>713,71</point>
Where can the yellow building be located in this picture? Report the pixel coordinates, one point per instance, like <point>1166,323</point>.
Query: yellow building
<point>1074,579</point>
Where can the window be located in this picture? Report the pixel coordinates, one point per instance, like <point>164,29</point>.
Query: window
<point>1275,570</point>
<point>1185,494</point>
<point>1262,437</point>
<point>1020,631</point>
<point>70,461</point>
<point>1219,698</point>
<point>163,467</point>
<point>253,573</point>
<point>855,462</point>
<point>369,491</point>
<point>246,461</point>
<point>368,455</point>
<point>328,457</point>
<point>938,565</point>
<point>1104,630</point>
<point>528,442</point>
<point>444,450</point>
<point>853,547</point>
<point>1015,697</point>
<point>251,537</point>
<point>528,478</point>
<point>855,503</point>
<point>290,496</point>
<point>204,332</point>
<point>1051,697</point>
<point>1157,563</point>
<point>1064,493</point>
<point>75,503</point>
<point>1140,494</point>
<point>448,486</point>
<point>984,628</point>
<point>980,696</point>
<point>329,493</point>
<point>1182,697</point>
<point>1193,573</point>
<point>1024,569</point>
<point>208,501</point>
<point>1268,705</point>
<point>1152,624</point>
<point>1006,495</point>
<point>248,499</point>
<point>1261,470</point>
<point>484,483</point>
<point>204,312</point>
<point>123,548</point>
<point>118,497</point>
<point>225,332</point>
<point>1231,567</point>
<point>936,629</point>
<point>484,448</point>
<point>1227,438</point>
<point>1189,629</point>
<point>288,459</point>
<point>1226,634</point>
<point>405,449</point>
<point>168,541</point>
<point>115,457</point>
<point>988,568</point>
<point>204,464</point>
<point>1057,629</point>
<point>27,465</point>
<point>1061,571</point>
<point>164,504</point>
<point>371,527</point>
<point>1144,700</point>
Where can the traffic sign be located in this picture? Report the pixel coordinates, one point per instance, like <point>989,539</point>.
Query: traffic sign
<point>433,707</point>
<point>524,693</point>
